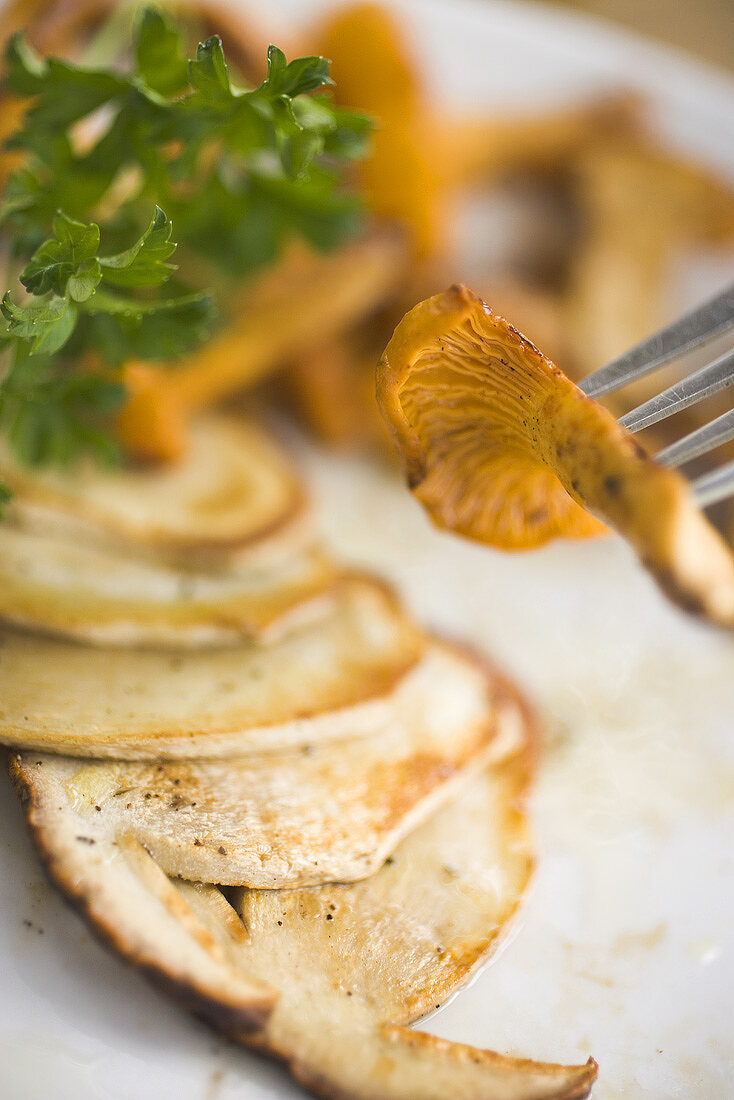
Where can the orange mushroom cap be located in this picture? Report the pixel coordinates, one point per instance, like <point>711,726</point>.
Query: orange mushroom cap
<point>501,447</point>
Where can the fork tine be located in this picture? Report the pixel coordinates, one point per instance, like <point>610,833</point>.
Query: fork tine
<point>714,486</point>
<point>697,327</point>
<point>705,382</point>
<point>697,443</point>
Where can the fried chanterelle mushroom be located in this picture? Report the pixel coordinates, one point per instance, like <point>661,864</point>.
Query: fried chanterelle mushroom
<point>501,447</point>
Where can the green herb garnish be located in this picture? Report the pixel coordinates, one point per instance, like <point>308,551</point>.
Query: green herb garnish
<point>238,171</point>
<point>247,167</point>
<point>83,304</point>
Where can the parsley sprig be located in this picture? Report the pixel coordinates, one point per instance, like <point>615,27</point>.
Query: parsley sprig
<point>82,312</point>
<point>77,289</point>
<point>239,171</point>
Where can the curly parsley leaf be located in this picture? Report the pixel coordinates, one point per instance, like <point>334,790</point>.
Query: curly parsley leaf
<point>294,78</point>
<point>44,325</point>
<point>62,92</point>
<point>120,328</point>
<point>209,75</point>
<point>190,133</point>
<point>50,414</point>
<point>67,278</point>
<point>68,255</point>
<point>144,263</point>
<point>240,170</point>
<point>160,55</point>
<point>84,305</point>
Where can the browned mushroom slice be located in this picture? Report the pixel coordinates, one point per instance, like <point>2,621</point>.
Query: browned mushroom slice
<point>136,910</point>
<point>352,963</point>
<point>333,679</point>
<point>295,818</point>
<point>235,497</point>
<point>67,587</point>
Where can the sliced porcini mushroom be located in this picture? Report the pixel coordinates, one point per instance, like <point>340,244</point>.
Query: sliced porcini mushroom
<point>355,963</point>
<point>352,963</point>
<point>397,1063</point>
<point>392,947</point>
<point>95,594</point>
<point>330,680</point>
<point>234,498</point>
<point>500,446</point>
<point>295,818</point>
<point>136,910</point>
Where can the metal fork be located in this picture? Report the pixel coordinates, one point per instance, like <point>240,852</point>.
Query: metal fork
<point>691,331</point>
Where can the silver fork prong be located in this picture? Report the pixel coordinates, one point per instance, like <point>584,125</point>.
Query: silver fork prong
<point>714,486</point>
<point>703,383</point>
<point>697,443</point>
<point>695,328</point>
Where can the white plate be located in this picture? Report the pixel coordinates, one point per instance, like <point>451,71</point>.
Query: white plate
<point>626,947</point>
